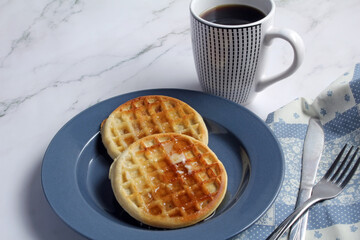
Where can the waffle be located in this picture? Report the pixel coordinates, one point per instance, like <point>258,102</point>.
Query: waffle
<point>168,180</point>
<point>148,115</point>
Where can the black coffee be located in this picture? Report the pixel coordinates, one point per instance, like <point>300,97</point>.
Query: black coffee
<point>232,14</point>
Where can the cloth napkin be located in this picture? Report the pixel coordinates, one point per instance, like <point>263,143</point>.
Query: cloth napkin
<point>338,108</point>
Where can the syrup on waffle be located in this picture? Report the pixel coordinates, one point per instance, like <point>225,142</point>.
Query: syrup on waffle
<point>168,180</point>
<point>148,115</point>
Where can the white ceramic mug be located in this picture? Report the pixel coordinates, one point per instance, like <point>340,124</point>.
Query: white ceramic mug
<point>230,59</point>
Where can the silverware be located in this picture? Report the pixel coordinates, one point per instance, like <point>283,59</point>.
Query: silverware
<point>331,185</point>
<point>312,151</point>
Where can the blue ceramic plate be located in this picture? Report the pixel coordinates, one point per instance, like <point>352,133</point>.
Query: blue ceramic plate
<point>75,171</point>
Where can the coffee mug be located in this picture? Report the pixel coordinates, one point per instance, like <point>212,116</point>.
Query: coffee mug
<point>230,39</point>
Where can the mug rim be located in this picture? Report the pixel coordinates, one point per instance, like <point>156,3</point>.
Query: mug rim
<point>268,15</point>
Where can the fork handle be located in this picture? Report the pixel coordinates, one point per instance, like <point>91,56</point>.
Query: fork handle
<point>292,218</point>
<point>298,229</point>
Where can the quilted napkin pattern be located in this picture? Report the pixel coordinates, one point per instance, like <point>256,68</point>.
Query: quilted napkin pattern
<point>338,108</point>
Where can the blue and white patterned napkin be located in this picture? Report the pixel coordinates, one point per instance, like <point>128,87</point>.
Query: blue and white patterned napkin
<point>338,108</point>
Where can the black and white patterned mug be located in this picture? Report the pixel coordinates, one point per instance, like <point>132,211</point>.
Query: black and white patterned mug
<point>230,58</point>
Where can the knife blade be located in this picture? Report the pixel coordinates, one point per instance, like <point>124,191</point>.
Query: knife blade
<point>312,151</point>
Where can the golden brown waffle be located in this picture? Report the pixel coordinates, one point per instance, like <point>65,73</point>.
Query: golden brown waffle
<point>148,115</point>
<point>168,180</point>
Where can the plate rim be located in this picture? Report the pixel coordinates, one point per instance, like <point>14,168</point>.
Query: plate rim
<point>83,229</point>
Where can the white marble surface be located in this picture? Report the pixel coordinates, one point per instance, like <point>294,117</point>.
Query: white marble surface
<point>57,58</point>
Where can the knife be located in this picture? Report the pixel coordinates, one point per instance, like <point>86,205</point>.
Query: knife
<point>312,150</point>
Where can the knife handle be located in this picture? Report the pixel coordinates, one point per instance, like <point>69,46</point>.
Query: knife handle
<point>304,194</point>
<point>292,218</point>
<point>298,231</point>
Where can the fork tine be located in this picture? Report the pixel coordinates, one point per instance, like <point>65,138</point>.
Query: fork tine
<point>336,177</point>
<point>351,173</point>
<point>347,167</point>
<point>332,167</point>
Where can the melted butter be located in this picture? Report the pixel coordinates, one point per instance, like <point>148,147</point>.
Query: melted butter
<point>168,147</point>
<point>188,167</point>
<point>173,155</point>
<point>176,158</point>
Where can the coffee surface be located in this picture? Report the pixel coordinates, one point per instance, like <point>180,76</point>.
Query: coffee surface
<point>232,14</point>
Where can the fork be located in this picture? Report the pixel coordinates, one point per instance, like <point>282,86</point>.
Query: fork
<point>331,185</point>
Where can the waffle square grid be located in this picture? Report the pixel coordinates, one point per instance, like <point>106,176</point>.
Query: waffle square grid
<point>164,182</point>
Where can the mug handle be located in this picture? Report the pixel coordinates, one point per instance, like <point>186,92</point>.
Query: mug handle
<point>299,50</point>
